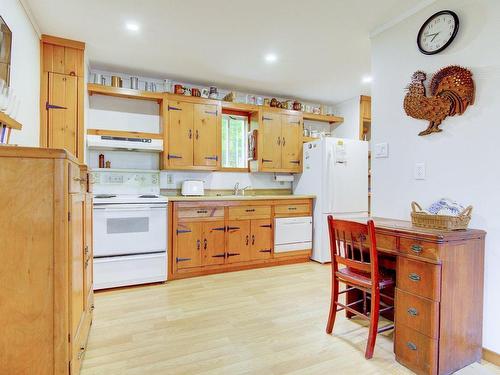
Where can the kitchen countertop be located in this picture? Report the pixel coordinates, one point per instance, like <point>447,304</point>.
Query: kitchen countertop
<point>180,198</point>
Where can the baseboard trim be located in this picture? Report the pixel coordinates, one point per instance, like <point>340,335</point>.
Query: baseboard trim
<point>491,356</point>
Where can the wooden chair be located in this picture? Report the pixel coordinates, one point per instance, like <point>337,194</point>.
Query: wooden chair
<point>354,245</point>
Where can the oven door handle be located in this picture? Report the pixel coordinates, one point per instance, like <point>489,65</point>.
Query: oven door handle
<point>130,208</point>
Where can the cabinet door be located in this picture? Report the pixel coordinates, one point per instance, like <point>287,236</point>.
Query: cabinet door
<point>188,245</point>
<point>76,261</point>
<point>261,239</point>
<point>213,243</point>
<point>62,112</point>
<point>291,142</point>
<point>88,251</point>
<point>205,135</point>
<point>238,241</point>
<point>180,134</point>
<point>271,141</point>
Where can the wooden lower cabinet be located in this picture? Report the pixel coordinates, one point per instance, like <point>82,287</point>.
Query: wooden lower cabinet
<point>46,295</point>
<point>211,237</point>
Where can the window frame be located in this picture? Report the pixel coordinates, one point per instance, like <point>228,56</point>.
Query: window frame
<point>232,112</point>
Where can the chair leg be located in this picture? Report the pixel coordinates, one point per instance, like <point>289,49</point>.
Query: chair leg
<point>333,305</point>
<point>374,316</point>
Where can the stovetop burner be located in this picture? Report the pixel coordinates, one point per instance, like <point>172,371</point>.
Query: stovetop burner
<point>105,196</point>
<point>148,196</point>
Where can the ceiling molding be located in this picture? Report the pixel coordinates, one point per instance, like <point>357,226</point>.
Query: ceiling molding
<point>401,18</point>
<point>28,12</point>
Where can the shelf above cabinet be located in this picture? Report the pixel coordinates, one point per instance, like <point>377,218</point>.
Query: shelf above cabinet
<point>121,133</point>
<point>121,92</point>
<point>9,122</point>
<point>323,118</point>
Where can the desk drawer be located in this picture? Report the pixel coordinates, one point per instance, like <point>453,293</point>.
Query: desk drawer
<point>249,212</point>
<point>386,242</point>
<point>415,350</point>
<point>419,278</point>
<point>418,313</point>
<point>283,209</point>
<point>419,248</point>
<point>200,212</point>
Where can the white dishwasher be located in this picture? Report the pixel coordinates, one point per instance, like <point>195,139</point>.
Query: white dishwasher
<point>292,234</point>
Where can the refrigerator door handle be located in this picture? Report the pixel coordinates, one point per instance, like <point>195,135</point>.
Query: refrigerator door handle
<point>329,176</point>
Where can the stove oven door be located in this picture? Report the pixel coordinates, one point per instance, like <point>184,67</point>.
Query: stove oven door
<point>125,229</point>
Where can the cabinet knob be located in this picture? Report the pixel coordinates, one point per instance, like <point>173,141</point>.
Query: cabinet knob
<point>416,248</point>
<point>414,277</point>
<point>411,345</point>
<point>412,311</point>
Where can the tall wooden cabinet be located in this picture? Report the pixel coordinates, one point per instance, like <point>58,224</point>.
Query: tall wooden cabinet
<point>280,142</point>
<point>45,272</point>
<point>61,95</point>
<point>193,136</point>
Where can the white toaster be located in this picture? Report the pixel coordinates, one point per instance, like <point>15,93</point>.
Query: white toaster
<point>192,187</point>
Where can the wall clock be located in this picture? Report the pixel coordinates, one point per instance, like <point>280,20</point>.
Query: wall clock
<point>437,33</point>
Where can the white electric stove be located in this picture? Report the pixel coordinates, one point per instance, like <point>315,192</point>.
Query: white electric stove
<point>130,228</point>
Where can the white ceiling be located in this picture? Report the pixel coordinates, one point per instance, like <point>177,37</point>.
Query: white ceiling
<point>323,46</point>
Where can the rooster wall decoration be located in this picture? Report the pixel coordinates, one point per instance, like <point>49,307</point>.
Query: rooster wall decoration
<point>452,91</point>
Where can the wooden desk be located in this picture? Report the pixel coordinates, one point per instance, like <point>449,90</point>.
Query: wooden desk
<point>438,294</point>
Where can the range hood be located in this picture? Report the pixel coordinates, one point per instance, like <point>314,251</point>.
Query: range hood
<point>108,142</point>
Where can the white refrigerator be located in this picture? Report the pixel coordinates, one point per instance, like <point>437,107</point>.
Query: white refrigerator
<point>335,171</point>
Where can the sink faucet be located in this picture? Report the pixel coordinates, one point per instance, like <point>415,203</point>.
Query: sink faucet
<point>238,191</point>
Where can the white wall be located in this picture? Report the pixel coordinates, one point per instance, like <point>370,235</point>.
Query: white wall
<point>462,161</point>
<point>349,109</point>
<point>25,72</point>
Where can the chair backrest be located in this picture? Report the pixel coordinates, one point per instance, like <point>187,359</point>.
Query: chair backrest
<point>353,245</point>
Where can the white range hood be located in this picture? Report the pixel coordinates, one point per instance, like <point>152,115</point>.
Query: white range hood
<point>107,142</point>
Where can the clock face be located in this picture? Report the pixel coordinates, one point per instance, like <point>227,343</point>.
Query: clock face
<point>437,32</point>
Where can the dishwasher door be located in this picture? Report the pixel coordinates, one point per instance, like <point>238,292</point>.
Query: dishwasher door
<point>292,234</point>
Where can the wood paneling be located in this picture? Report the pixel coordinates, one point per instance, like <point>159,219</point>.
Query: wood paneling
<point>238,241</point>
<point>291,142</point>
<point>270,147</point>
<point>261,239</point>
<point>188,252</point>
<point>213,245</point>
<point>205,135</point>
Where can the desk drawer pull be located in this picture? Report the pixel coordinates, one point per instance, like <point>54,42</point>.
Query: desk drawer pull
<point>417,249</point>
<point>411,345</point>
<point>412,311</point>
<point>250,210</point>
<point>202,212</point>
<point>414,277</point>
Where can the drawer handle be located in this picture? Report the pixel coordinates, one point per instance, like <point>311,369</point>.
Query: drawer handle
<point>414,277</point>
<point>412,311</point>
<point>417,249</point>
<point>182,259</point>
<point>411,345</point>
<point>250,210</point>
<point>292,208</point>
<point>202,212</point>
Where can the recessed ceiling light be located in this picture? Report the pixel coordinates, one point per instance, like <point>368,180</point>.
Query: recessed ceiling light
<point>367,79</point>
<point>132,26</point>
<point>271,57</point>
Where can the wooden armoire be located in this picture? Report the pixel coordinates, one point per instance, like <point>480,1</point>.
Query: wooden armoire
<point>61,95</point>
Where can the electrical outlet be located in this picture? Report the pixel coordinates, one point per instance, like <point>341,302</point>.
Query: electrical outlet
<point>381,150</point>
<point>170,179</point>
<point>419,171</point>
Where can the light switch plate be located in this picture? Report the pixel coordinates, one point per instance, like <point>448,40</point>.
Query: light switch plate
<point>419,171</point>
<point>382,150</point>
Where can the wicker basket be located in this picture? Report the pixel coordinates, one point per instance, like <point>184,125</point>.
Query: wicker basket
<point>445,222</point>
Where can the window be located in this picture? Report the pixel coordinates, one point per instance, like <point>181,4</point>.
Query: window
<point>234,141</point>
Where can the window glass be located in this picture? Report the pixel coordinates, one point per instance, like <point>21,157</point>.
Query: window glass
<point>234,141</point>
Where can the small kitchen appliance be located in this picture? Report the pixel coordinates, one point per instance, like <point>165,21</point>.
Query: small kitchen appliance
<point>192,187</point>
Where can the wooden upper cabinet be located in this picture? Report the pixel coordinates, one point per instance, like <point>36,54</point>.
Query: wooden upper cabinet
<point>291,142</point>
<point>206,135</point>
<point>213,245</point>
<point>62,56</point>
<point>62,113</point>
<point>271,141</point>
<point>261,239</point>
<point>180,133</point>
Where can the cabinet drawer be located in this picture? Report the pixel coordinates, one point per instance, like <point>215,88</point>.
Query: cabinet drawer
<point>415,350</point>
<point>418,313</point>
<point>386,242</point>
<point>419,248</point>
<point>292,209</point>
<point>200,212</point>
<point>419,278</point>
<point>249,212</point>
<point>75,178</point>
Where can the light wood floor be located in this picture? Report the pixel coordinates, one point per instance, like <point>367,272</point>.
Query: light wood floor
<point>265,321</point>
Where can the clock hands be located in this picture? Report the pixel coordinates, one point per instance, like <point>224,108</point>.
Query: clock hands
<point>433,36</point>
